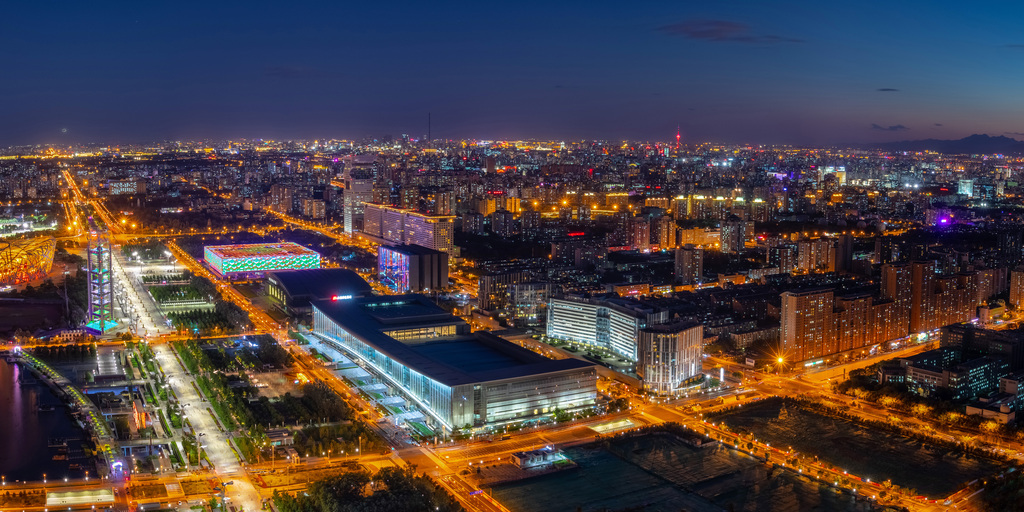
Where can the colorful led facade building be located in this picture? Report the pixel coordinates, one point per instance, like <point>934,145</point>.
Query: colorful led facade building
<point>256,259</point>
<point>405,268</point>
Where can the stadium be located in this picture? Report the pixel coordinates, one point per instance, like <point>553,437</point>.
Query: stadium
<point>22,261</point>
<point>251,260</point>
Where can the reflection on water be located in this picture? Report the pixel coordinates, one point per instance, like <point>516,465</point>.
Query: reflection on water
<point>31,420</point>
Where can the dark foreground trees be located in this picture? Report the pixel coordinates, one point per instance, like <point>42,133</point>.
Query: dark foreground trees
<point>388,490</point>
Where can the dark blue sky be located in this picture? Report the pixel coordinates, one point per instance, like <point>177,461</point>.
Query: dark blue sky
<point>772,72</point>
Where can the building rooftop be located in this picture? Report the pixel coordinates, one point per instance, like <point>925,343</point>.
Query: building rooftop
<point>451,360</point>
<point>411,249</point>
<point>321,283</point>
<point>260,250</point>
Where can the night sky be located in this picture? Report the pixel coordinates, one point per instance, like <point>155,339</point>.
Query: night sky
<point>758,72</point>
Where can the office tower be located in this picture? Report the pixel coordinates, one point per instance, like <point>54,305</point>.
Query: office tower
<point>358,191</point>
<point>612,324</point>
<point>431,231</point>
<point>689,264</point>
<point>669,355</point>
<point>806,330</point>
<point>966,188</point>
<point>406,226</point>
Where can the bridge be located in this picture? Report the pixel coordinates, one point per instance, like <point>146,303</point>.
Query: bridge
<point>81,406</point>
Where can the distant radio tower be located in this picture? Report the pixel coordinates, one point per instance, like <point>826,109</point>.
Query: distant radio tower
<point>677,138</point>
<point>428,126</point>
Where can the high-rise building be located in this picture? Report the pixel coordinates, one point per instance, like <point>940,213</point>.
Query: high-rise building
<point>611,324</point>
<point>966,188</point>
<point>734,236</point>
<point>405,268</point>
<point>854,321</point>
<point>314,208</point>
<point>528,303</point>
<point>1017,288</point>
<point>923,315</point>
<point>663,232</point>
<point>640,234</point>
<point>473,223</point>
<point>530,223</point>
<point>431,231</point>
<point>783,257</point>
<point>844,253</point>
<point>689,264</point>
<point>358,191</point>
<point>281,197</point>
<point>896,287</point>
<point>406,226</point>
<point>503,224</point>
<point>669,355</point>
<point>806,329</point>
<point>817,255</point>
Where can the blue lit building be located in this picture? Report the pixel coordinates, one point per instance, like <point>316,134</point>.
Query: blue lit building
<point>412,268</point>
<point>457,378</point>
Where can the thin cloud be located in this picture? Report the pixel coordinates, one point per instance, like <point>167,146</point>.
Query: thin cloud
<point>1015,134</point>
<point>723,31</point>
<point>893,128</point>
<point>887,89</point>
<point>1019,46</point>
<point>938,124</point>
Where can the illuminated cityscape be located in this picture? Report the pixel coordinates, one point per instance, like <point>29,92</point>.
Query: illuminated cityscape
<point>417,257</point>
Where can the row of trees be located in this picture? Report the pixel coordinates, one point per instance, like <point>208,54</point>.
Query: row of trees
<point>388,490</point>
<point>937,407</point>
<point>64,353</point>
<point>200,321</point>
<point>175,293</point>
<point>317,404</point>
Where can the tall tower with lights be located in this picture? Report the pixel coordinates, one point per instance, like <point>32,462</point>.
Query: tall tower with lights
<point>99,259</point>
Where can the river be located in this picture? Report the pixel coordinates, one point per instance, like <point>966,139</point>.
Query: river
<point>26,432</point>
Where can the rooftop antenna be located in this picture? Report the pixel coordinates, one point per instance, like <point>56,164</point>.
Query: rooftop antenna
<point>428,126</point>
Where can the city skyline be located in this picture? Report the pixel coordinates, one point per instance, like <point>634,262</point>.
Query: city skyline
<point>745,73</point>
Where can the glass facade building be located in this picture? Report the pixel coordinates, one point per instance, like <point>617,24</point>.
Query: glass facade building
<point>456,378</point>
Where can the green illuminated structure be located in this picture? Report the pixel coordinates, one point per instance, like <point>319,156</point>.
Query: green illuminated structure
<point>259,258</point>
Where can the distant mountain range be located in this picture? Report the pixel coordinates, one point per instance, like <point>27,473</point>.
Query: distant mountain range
<point>974,144</point>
